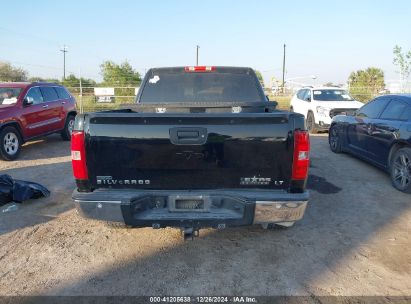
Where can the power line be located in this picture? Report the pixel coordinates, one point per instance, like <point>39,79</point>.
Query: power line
<point>25,48</point>
<point>34,65</point>
<point>28,35</point>
<point>50,41</point>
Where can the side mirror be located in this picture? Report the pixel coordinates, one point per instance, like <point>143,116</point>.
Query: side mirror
<point>359,114</point>
<point>308,98</point>
<point>28,100</point>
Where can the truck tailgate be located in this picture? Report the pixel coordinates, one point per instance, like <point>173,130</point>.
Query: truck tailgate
<point>189,151</point>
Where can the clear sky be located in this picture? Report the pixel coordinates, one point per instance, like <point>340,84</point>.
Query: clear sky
<point>328,39</point>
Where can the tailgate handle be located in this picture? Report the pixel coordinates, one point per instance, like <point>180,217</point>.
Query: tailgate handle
<point>188,136</point>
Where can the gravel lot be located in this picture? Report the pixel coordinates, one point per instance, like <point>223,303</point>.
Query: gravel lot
<point>354,240</point>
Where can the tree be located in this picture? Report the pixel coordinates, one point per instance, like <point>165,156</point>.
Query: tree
<point>116,75</point>
<point>71,81</point>
<point>10,73</point>
<point>41,79</point>
<point>120,75</point>
<point>54,80</point>
<point>403,62</point>
<point>73,84</point>
<point>36,79</point>
<point>88,82</point>
<point>260,77</point>
<point>365,84</point>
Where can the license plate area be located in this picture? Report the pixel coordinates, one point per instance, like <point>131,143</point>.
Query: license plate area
<point>189,204</point>
<point>192,203</point>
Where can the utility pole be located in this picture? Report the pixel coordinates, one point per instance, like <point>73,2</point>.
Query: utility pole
<point>197,55</point>
<point>64,50</point>
<point>284,70</point>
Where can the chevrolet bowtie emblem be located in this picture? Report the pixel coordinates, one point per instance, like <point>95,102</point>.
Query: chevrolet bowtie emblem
<point>190,154</point>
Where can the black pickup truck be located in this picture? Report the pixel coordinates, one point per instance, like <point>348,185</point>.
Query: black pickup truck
<point>201,147</point>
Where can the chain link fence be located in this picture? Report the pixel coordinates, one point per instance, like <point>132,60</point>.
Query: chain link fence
<point>88,102</point>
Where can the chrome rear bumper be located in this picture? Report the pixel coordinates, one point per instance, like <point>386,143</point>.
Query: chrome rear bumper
<point>223,208</point>
<point>278,212</point>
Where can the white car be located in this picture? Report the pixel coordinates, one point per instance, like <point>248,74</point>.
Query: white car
<point>320,105</point>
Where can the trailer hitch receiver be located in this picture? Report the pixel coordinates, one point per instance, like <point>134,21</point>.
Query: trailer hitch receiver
<point>189,233</point>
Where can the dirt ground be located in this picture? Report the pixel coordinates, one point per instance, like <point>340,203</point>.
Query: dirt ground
<point>354,240</point>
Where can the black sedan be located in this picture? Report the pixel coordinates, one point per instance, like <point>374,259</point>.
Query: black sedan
<point>380,133</point>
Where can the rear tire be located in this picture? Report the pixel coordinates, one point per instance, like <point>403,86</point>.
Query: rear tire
<point>401,170</point>
<point>68,128</point>
<point>10,143</point>
<point>311,123</point>
<point>334,140</point>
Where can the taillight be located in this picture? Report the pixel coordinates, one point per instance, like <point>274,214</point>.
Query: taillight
<point>301,161</point>
<point>78,155</point>
<point>199,69</point>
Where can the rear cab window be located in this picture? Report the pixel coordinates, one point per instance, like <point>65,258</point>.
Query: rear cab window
<point>225,85</point>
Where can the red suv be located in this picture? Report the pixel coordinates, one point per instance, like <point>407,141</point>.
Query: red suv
<point>31,110</point>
